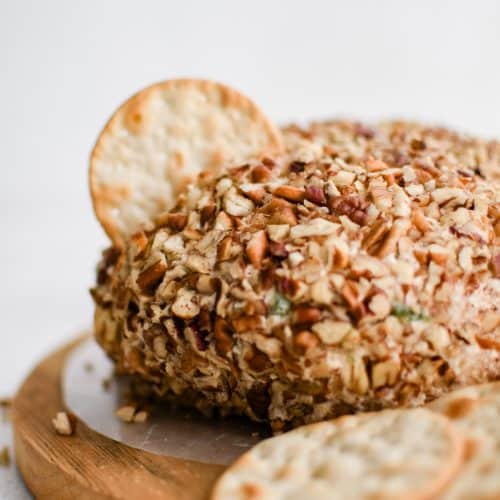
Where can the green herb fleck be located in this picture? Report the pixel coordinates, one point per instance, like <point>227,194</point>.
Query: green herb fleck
<point>281,305</point>
<point>407,313</point>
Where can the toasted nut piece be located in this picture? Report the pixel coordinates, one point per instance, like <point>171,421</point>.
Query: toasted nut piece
<point>192,234</point>
<point>438,336</point>
<point>64,424</point>
<point>278,250</point>
<point>141,417</point>
<point>399,228</point>
<point>316,195</point>
<point>207,213</point>
<point>465,259</point>
<point>206,284</point>
<point>284,217</point>
<point>149,279</point>
<point>224,249</point>
<point>376,165</point>
<point>278,232</point>
<point>344,178</point>
<point>375,235</point>
<point>380,306</point>
<point>496,265</point>
<point>488,342</point>
<point>305,341</point>
<point>126,413</point>
<point>139,242</point>
<point>176,221</point>
<point>315,227</point>
<point>332,332</point>
<point>223,222</point>
<point>237,205</point>
<point>256,195</point>
<point>363,265</point>
<point>449,194</point>
<point>258,361</point>
<point>385,373</point>
<point>4,457</point>
<point>350,294</point>
<point>351,205</point>
<point>223,339</point>
<point>256,248</point>
<point>290,193</point>
<point>198,263</point>
<point>247,323</point>
<point>184,307</point>
<point>306,314</point>
<point>382,197</point>
<point>360,382</point>
<point>439,254</point>
<point>261,173</point>
<point>420,221</point>
<point>320,292</point>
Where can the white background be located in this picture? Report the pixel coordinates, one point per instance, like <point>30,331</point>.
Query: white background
<point>65,65</point>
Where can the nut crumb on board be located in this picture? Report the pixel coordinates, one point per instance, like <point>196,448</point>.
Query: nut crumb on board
<point>129,414</point>
<point>64,423</point>
<point>4,457</point>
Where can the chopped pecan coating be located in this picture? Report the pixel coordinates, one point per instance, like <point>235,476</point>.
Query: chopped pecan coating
<point>359,270</point>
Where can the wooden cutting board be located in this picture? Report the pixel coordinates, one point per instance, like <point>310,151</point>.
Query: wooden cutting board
<point>88,465</point>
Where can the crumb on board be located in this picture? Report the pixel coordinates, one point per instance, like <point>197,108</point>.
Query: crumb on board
<point>4,457</point>
<point>64,424</point>
<point>106,384</point>
<point>129,414</point>
<point>126,413</point>
<point>5,404</point>
<point>141,416</point>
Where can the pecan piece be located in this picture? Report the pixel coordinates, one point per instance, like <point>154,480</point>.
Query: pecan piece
<point>315,195</point>
<point>224,249</point>
<point>290,193</point>
<point>64,423</point>
<point>176,221</point>
<point>399,228</point>
<point>278,250</point>
<point>149,279</point>
<point>305,341</point>
<point>259,399</point>
<point>257,360</point>
<point>207,213</point>
<point>184,307</point>
<point>306,314</point>
<point>285,216</point>
<point>297,166</point>
<point>139,242</point>
<point>351,205</point>
<point>260,173</point>
<point>374,236</point>
<point>223,339</point>
<point>495,261</point>
<point>256,248</point>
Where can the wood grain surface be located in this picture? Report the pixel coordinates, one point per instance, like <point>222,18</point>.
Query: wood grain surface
<point>88,465</point>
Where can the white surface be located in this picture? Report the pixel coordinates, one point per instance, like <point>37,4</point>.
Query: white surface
<point>66,65</point>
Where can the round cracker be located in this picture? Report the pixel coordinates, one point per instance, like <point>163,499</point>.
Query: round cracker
<point>407,454</point>
<point>160,139</point>
<point>476,410</point>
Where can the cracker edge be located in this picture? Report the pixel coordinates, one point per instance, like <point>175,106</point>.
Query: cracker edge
<point>138,101</point>
<point>436,487</point>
